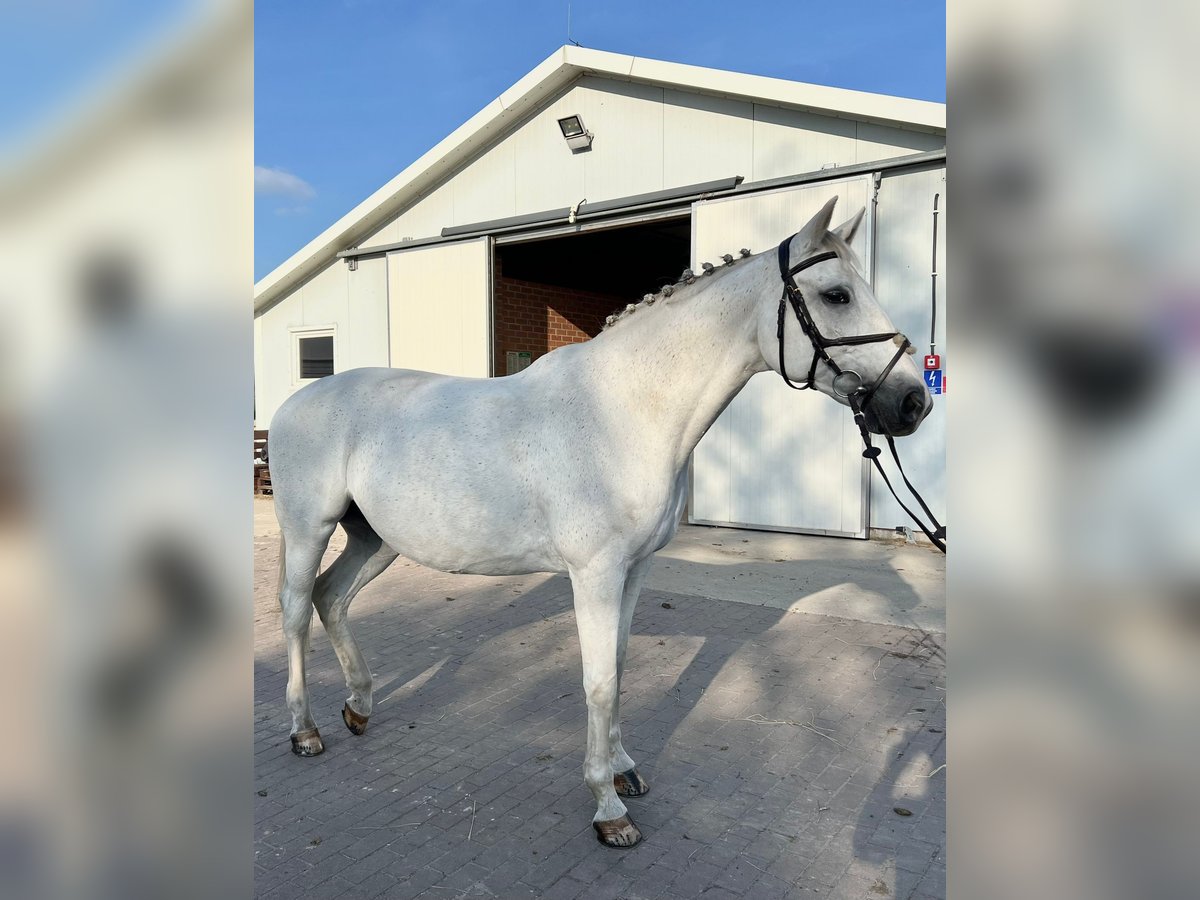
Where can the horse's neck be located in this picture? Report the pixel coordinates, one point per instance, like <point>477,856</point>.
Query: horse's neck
<point>672,367</point>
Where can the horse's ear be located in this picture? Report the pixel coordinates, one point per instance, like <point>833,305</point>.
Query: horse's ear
<point>849,228</point>
<point>813,233</point>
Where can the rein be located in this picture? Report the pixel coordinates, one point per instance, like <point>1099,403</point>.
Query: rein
<point>851,384</point>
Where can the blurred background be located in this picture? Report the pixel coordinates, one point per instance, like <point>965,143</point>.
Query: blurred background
<point>126,178</point>
<point>125,403</point>
<point>1074,578</point>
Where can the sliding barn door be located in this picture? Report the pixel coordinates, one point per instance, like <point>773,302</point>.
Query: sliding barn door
<point>777,458</point>
<point>438,308</point>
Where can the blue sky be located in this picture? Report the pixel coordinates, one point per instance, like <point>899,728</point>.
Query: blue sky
<point>349,92</point>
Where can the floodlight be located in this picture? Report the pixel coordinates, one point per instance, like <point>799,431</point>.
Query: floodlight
<point>576,135</point>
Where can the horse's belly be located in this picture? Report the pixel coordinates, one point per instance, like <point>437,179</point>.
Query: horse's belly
<point>460,554</point>
<point>452,529</point>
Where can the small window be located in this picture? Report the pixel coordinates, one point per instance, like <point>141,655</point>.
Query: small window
<point>316,356</point>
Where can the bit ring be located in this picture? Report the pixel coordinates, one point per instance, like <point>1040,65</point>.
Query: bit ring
<point>844,376</point>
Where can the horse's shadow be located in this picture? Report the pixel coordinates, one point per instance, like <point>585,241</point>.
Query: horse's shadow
<point>901,826</point>
<point>437,694</point>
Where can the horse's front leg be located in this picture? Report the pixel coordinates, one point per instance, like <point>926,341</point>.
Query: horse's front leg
<point>599,591</point>
<point>627,780</point>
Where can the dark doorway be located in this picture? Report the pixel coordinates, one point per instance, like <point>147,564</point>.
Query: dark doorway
<point>556,291</point>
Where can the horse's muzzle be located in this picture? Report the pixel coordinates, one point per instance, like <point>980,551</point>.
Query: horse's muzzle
<point>898,414</point>
<point>913,408</point>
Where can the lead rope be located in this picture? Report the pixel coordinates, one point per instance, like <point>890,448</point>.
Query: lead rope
<point>858,398</point>
<point>936,534</point>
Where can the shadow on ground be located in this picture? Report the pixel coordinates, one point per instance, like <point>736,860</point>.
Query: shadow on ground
<point>777,745</point>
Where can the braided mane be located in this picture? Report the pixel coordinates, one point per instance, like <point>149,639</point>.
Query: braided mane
<point>687,278</point>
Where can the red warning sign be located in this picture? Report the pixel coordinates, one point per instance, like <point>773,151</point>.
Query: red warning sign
<point>933,361</point>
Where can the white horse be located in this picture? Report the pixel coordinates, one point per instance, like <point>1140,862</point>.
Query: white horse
<point>578,464</point>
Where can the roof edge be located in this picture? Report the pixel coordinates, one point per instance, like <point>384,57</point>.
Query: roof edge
<point>884,108</point>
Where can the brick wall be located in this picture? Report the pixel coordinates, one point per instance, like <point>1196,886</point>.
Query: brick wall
<point>539,317</point>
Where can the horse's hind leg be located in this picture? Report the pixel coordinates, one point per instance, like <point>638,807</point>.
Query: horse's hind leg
<point>300,555</point>
<point>365,556</point>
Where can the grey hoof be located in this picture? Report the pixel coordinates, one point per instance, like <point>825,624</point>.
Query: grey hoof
<point>356,723</point>
<point>630,784</point>
<point>307,743</point>
<point>618,832</point>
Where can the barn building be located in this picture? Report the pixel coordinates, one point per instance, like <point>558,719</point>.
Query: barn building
<point>595,179</point>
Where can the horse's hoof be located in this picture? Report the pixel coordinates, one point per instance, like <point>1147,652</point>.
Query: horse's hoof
<point>356,723</point>
<point>307,743</point>
<point>630,784</point>
<point>617,832</point>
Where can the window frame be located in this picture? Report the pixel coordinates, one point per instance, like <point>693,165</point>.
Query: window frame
<point>299,333</point>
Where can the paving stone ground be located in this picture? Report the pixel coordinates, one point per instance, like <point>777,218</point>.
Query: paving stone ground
<point>778,746</point>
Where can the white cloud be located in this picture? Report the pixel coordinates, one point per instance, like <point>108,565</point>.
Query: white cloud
<point>277,181</point>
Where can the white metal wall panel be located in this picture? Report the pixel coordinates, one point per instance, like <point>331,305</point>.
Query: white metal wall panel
<point>260,371</point>
<point>272,385</point>
<point>706,138</point>
<point>627,120</point>
<point>438,304</point>
<point>877,141</point>
<point>423,219</point>
<point>367,335</point>
<point>777,458</point>
<point>548,175</point>
<point>625,157</point>
<point>787,141</point>
<point>486,189</point>
<point>324,299</point>
<point>903,244</point>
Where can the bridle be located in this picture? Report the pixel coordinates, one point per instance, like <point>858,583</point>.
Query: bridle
<point>851,386</point>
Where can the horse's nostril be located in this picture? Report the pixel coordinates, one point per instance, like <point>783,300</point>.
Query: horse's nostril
<point>912,407</point>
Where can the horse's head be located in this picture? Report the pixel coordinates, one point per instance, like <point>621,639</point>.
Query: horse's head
<point>832,315</point>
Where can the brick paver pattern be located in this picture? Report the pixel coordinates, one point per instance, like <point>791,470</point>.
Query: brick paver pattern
<point>778,747</point>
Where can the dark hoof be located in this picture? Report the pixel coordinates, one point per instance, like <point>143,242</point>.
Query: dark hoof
<point>307,743</point>
<point>630,784</point>
<point>617,832</point>
<point>356,723</point>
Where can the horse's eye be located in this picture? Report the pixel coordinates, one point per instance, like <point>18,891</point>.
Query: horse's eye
<point>836,295</point>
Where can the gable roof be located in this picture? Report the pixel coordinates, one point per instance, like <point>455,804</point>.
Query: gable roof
<point>560,69</point>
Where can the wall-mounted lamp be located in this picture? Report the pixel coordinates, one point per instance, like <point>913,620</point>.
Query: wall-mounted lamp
<point>577,137</point>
